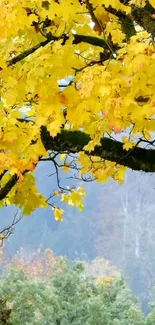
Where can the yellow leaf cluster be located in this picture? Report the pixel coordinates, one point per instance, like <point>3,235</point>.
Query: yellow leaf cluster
<point>75,198</point>
<point>26,196</point>
<point>110,96</point>
<point>58,214</point>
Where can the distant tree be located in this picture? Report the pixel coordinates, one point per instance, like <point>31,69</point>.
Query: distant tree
<point>69,298</point>
<point>36,264</point>
<point>151,316</point>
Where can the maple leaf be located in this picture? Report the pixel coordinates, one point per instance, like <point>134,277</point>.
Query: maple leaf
<point>58,213</point>
<point>63,156</point>
<point>128,144</point>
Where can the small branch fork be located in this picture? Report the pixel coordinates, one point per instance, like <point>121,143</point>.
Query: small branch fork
<point>57,167</point>
<point>6,232</point>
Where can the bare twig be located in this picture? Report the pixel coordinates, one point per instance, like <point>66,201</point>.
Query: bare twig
<point>83,178</point>
<point>6,232</point>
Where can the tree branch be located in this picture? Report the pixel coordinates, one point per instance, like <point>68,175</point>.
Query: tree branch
<point>8,186</point>
<point>145,17</point>
<point>92,40</point>
<point>126,21</point>
<point>26,53</point>
<point>74,142</point>
<point>4,191</point>
<point>6,232</point>
<point>112,150</point>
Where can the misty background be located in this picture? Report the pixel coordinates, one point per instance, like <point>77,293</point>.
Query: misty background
<point>118,224</point>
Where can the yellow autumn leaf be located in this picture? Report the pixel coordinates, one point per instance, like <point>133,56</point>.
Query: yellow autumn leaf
<point>64,197</point>
<point>56,193</point>
<point>63,156</point>
<point>58,214</point>
<point>128,145</point>
<point>139,3</point>
<point>146,134</point>
<point>80,207</point>
<point>66,167</point>
<point>117,36</point>
<point>119,175</point>
<point>81,190</point>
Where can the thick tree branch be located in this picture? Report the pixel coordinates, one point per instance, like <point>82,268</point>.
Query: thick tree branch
<point>92,40</point>
<point>26,53</point>
<point>74,142</point>
<point>145,17</point>
<point>4,191</point>
<point>8,186</point>
<point>126,22</point>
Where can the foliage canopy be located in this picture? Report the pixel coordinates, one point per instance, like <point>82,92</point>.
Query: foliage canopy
<point>73,75</point>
